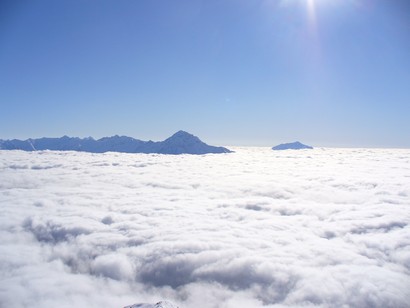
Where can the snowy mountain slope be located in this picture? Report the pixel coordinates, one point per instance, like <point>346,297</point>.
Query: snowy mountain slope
<point>179,143</point>
<point>161,304</point>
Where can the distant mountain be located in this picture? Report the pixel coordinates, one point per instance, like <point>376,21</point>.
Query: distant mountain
<point>162,304</point>
<point>179,143</point>
<point>182,142</point>
<point>292,146</point>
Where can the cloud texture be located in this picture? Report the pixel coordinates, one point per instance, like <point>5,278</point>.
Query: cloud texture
<point>324,227</point>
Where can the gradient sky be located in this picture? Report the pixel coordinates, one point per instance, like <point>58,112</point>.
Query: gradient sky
<point>233,72</point>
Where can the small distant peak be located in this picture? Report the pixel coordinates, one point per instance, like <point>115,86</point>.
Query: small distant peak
<point>292,146</point>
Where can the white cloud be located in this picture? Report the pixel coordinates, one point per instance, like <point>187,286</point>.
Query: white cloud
<point>324,227</point>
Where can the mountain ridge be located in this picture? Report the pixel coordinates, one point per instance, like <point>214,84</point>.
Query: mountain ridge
<point>179,143</point>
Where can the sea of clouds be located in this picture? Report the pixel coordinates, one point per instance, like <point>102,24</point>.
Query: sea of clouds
<point>323,227</point>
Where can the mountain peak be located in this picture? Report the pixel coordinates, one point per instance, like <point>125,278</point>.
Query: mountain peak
<point>182,142</point>
<point>182,133</point>
<point>292,146</point>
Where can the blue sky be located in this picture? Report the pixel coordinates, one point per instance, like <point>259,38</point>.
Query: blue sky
<point>233,72</point>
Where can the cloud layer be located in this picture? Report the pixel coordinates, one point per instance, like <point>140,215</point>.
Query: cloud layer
<point>324,227</point>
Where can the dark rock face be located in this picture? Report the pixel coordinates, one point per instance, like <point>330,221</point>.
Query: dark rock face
<point>292,146</point>
<point>179,143</point>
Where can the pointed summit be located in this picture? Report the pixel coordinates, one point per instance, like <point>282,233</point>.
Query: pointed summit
<point>185,143</point>
<point>183,135</point>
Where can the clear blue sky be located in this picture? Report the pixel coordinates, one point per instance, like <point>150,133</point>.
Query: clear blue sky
<point>233,72</point>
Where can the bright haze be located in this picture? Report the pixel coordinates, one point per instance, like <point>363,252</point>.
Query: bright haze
<point>234,72</point>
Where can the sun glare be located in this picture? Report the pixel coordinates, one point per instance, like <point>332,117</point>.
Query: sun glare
<point>310,6</point>
<point>311,10</point>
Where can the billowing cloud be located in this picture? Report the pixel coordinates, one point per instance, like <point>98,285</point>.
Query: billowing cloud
<point>324,227</point>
